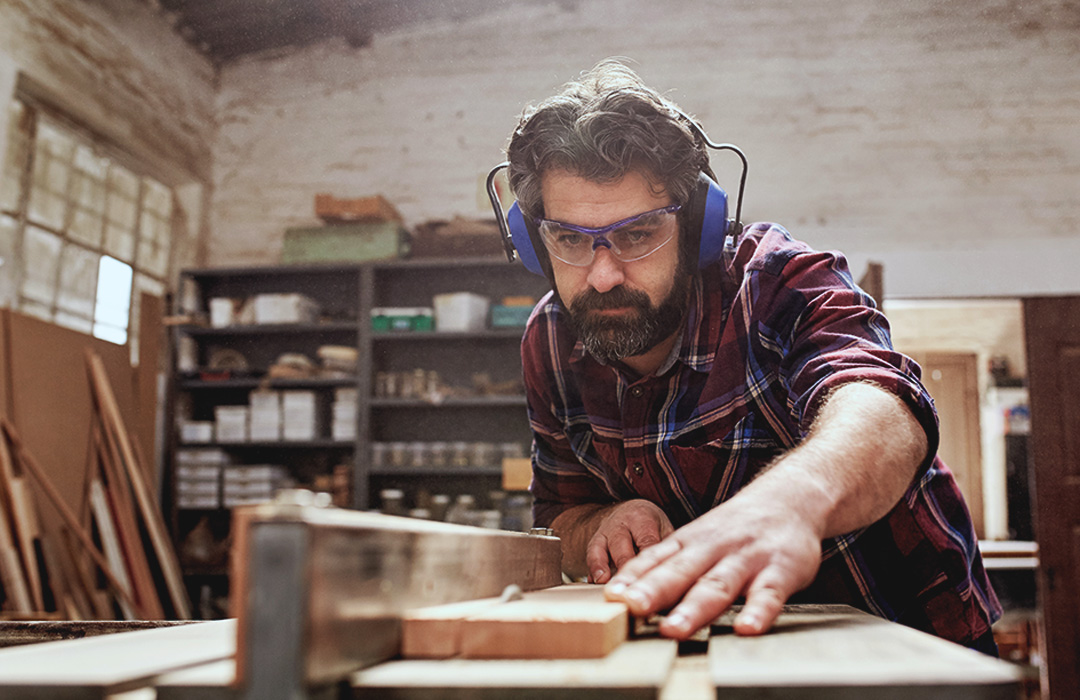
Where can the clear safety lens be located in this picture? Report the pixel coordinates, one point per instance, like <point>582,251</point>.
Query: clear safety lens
<point>628,240</point>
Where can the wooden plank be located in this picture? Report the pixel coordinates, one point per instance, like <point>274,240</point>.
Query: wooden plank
<point>152,518</point>
<point>151,311</point>
<point>563,622</point>
<point>61,507</point>
<point>839,653</point>
<point>26,528</point>
<point>11,569</point>
<point>637,669</point>
<point>98,666</point>
<point>110,543</point>
<point>127,529</point>
<point>212,681</point>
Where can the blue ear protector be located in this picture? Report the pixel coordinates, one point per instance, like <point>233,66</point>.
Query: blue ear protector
<point>706,212</point>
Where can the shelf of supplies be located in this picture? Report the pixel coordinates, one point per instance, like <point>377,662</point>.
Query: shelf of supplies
<point>321,444</point>
<point>436,471</point>
<point>273,329</point>
<point>429,336</point>
<point>192,384</point>
<point>465,402</point>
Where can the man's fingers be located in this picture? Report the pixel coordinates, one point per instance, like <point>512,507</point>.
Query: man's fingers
<point>645,560</point>
<point>662,585</point>
<point>596,559</point>
<point>621,548</point>
<point>764,601</point>
<point>711,595</point>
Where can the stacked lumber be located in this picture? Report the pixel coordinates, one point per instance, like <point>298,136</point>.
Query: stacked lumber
<point>106,562</point>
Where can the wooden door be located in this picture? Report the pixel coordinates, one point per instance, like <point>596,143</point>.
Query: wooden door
<point>1053,351</point>
<point>952,379</point>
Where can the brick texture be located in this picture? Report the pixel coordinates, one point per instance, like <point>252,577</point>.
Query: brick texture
<point>938,138</point>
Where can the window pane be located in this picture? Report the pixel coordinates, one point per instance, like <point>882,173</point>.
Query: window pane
<point>154,243</point>
<point>88,196</point>
<point>113,300</point>
<point>18,148</point>
<point>52,168</point>
<point>78,281</point>
<point>41,253</point>
<point>121,211</point>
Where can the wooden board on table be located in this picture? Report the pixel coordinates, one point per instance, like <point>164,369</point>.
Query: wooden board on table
<point>98,666</point>
<point>563,622</point>
<point>835,652</point>
<point>636,669</point>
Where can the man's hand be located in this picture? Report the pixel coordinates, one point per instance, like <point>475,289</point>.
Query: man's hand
<point>765,542</point>
<point>598,539</point>
<point>624,530</point>
<point>747,545</point>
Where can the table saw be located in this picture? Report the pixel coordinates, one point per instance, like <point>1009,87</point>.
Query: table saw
<point>327,600</point>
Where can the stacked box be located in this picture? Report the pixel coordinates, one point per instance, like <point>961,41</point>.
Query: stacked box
<point>265,423</point>
<point>195,431</point>
<point>198,478</point>
<point>231,423</point>
<point>300,415</point>
<point>285,308</point>
<point>343,426</point>
<point>256,483</point>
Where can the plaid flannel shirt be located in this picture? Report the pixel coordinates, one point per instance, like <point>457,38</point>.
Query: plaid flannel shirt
<point>771,329</point>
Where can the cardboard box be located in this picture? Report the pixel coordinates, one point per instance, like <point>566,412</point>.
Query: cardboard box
<point>285,308</point>
<point>375,208</point>
<point>358,242</point>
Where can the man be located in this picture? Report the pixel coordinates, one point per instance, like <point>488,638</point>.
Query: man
<point>740,430</point>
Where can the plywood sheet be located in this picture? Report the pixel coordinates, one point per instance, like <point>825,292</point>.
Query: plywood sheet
<point>839,653</point>
<point>51,402</point>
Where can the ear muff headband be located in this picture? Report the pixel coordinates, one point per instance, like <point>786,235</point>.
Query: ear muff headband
<point>708,209</point>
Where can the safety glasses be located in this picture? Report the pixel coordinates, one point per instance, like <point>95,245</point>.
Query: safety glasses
<point>628,240</point>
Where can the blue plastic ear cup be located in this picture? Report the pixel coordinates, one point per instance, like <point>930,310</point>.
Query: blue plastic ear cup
<point>523,243</point>
<point>713,221</point>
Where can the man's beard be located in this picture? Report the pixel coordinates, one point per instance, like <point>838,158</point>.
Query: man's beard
<point>610,338</point>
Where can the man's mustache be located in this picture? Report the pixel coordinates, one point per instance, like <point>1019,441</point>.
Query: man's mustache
<point>615,298</point>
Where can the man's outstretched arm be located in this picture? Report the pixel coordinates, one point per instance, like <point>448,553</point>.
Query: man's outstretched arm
<point>860,456</point>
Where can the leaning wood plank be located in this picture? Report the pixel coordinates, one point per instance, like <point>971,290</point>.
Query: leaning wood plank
<point>562,622</point>
<point>23,522</point>
<point>637,669</point>
<point>96,667</point>
<point>11,569</point>
<point>127,529</point>
<point>152,518</point>
<point>61,507</point>
<point>111,545</point>
<point>840,653</point>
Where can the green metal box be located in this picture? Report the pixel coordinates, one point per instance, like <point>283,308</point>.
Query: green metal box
<point>357,242</point>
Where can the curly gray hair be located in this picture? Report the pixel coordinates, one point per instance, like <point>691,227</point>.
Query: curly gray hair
<point>601,127</point>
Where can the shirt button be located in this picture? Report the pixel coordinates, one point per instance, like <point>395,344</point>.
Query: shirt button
<point>636,392</point>
<point>638,469</point>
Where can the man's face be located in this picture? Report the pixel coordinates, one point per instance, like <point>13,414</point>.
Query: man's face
<point>619,309</point>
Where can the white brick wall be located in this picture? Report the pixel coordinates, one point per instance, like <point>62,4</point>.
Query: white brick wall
<point>936,137</point>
